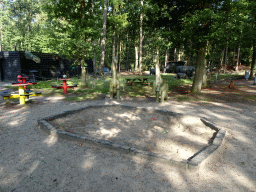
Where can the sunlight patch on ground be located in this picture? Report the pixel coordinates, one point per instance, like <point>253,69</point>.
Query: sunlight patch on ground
<point>55,98</point>
<point>130,116</point>
<point>109,118</point>
<point>50,140</point>
<point>33,166</point>
<point>11,178</point>
<point>240,136</point>
<point>1,170</point>
<point>108,133</point>
<point>210,91</point>
<point>24,156</point>
<point>243,179</point>
<point>218,104</point>
<point>115,102</point>
<point>193,138</point>
<point>14,111</point>
<point>245,89</point>
<point>190,120</point>
<point>14,123</point>
<point>88,161</point>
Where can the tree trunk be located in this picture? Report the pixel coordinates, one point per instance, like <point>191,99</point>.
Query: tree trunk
<point>103,42</point>
<point>113,38</point>
<point>94,59</point>
<point>1,39</point>
<point>200,68</point>
<point>175,54</point>
<point>237,62</point>
<point>141,39</point>
<point>226,60</point>
<point>188,60</point>
<point>166,57</point>
<point>158,75</point>
<point>117,52</point>
<point>204,84</point>
<point>136,60</point>
<point>84,75</point>
<point>120,58</point>
<point>128,52</point>
<point>179,54</point>
<point>234,56</point>
<point>113,46</point>
<point>253,62</point>
<point>190,53</point>
<point>222,58</point>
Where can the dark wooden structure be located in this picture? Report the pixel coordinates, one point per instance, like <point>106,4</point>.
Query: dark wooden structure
<point>14,63</point>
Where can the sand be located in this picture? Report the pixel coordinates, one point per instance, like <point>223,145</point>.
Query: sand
<point>31,160</point>
<point>151,131</point>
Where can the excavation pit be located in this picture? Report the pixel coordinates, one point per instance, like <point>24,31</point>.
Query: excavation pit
<point>158,133</point>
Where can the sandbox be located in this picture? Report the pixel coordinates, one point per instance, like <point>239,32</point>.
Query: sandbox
<point>151,132</point>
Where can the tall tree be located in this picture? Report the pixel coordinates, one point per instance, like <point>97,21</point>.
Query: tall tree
<point>237,61</point>
<point>190,21</point>
<point>16,22</point>
<point>103,41</point>
<point>253,61</point>
<point>141,37</point>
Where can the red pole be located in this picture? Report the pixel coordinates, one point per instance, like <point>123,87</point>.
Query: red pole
<point>64,86</point>
<point>24,81</point>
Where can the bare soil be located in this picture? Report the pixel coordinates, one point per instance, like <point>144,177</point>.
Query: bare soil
<point>31,160</point>
<point>243,92</point>
<point>146,130</point>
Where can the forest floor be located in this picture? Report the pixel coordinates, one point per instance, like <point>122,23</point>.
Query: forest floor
<point>244,92</point>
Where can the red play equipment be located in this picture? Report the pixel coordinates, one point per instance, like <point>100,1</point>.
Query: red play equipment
<point>23,80</point>
<point>65,86</point>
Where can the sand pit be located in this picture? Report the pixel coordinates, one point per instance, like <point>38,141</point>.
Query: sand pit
<point>176,137</point>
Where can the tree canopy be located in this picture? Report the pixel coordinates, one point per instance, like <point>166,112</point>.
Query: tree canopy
<point>182,27</point>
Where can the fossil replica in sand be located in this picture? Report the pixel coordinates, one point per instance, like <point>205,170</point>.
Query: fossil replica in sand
<point>114,84</point>
<point>160,86</point>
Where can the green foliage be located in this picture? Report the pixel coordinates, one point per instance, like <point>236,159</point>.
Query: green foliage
<point>73,28</point>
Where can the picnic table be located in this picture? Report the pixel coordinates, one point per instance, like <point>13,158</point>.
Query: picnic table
<point>23,80</point>
<point>65,86</point>
<point>23,94</point>
<point>139,80</point>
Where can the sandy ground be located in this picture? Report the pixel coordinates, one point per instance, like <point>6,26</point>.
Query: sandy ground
<point>30,160</point>
<point>177,138</point>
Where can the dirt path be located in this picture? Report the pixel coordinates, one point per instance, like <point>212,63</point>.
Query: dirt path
<point>30,160</point>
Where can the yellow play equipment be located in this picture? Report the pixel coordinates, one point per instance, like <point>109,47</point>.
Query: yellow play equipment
<point>23,94</point>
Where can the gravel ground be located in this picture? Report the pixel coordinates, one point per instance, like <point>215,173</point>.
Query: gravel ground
<point>30,160</point>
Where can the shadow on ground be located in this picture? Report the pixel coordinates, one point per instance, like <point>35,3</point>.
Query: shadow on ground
<point>33,161</point>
